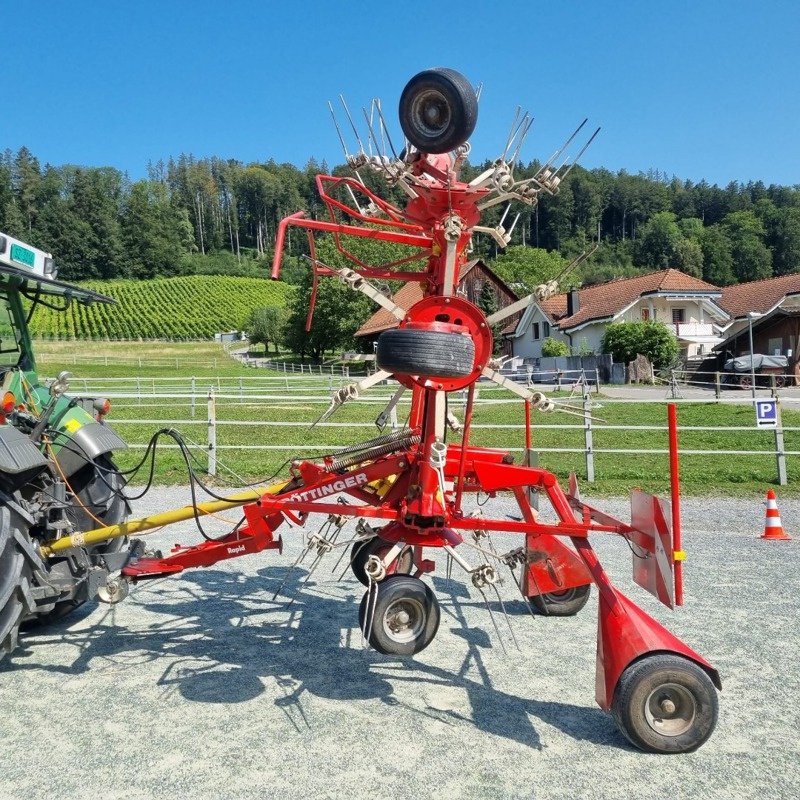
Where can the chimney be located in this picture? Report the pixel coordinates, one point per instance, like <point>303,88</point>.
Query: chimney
<point>573,302</point>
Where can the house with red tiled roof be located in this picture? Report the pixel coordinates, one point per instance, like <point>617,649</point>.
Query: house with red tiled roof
<point>772,307</point>
<point>688,305</point>
<point>474,276</point>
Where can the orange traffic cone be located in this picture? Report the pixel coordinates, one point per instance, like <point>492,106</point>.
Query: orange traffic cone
<point>773,528</point>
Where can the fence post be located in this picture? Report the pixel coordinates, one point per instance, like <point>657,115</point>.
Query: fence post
<point>194,398</point>
<point>587,433</point>
<point>717,385</point>
<point>780,453</point>
<point>212,434</point>
<point>597,379</point>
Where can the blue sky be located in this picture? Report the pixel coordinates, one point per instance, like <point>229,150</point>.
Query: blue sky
<point>704,90</point>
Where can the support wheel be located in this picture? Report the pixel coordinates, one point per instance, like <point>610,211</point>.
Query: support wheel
<point>405,618</point>
<point>409,351</point>
<point>562,604</point>
<point>438,110</point>
<point>665,703</point>
<point>376,546</point>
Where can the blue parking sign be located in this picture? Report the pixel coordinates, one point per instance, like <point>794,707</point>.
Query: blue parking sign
<point>767,413</point>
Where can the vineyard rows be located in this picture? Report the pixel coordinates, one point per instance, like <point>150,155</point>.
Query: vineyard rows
<point>186,307</point>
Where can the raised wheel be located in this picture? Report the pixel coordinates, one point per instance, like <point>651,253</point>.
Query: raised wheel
<point>376,546</point>
<point>745,381</point>
<point>562,604</point>
<point>411,351</point>
<point>99,487</point>
<point>438,110</point>
<point>665,703</point>
<point>780,381</point>
<point>19,560</point>
<point>405,617</point>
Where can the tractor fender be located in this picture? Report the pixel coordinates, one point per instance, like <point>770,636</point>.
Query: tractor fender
<point>84,444</point>
<point>18,453</point>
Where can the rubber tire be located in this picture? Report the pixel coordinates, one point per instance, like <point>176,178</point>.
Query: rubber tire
<point>361,552</point>
<point>562,604</point>
<point>434,354</point>
<point>454,95</point>
<point>393,589</point>
<point>107,505</point>
<point>643,677</point>
<point>18,560</point>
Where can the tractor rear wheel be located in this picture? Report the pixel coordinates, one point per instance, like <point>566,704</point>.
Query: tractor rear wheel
<point>665,703</point>
<point>438,110</point>
<point>18,560</point>
<point>435,354</point>
<point>562,604</point>
<point>98,488</point>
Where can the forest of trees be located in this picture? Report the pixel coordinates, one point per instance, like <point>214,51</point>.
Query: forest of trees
<point>215,215</point>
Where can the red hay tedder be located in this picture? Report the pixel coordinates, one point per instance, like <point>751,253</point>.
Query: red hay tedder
<point>407,489</point>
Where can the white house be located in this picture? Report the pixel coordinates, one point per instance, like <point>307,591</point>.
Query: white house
<point>686,304</point>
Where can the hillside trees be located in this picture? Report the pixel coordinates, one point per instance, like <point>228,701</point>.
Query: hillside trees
<point>89,216</point>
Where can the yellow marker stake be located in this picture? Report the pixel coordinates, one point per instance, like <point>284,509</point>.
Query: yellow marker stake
<point>154,521</point>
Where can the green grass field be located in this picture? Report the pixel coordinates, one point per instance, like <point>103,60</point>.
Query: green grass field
<point>245,421</point>
<point>284,421</point>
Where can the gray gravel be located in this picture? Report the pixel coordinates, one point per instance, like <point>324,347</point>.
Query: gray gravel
<point>203,687</point>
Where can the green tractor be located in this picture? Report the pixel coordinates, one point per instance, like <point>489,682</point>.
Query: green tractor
<point>57,476</point>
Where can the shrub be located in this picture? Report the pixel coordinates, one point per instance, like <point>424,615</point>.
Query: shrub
<point>626,340</point>
<point>552,348</point>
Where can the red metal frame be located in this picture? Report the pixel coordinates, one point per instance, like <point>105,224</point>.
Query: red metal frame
<point>403,488</point>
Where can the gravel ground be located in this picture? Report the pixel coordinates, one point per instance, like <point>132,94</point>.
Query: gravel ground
<point>203,687</point>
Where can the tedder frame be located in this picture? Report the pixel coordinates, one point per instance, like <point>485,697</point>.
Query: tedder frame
<point>407,489</point>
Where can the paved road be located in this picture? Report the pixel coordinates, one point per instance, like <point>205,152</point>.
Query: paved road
<point>204,687</point>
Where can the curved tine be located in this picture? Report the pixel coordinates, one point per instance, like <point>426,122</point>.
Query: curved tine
<point>519,586</point>
<point>371,137</point>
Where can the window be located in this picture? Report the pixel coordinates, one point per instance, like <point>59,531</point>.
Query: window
<point>535,328</point>
<point>9,343</point>
<point>645,314</point>
<point>775,347</point>
<point>678,315</point>
<point>545,330</point>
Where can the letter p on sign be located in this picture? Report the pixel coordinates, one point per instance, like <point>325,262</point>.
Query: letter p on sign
<point>767,413</point>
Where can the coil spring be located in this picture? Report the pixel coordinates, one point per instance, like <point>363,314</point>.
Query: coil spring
<point>367,452</point>
<point>385,438</point>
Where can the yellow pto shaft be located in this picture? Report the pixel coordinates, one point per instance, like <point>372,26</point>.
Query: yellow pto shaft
<point>154,521</point>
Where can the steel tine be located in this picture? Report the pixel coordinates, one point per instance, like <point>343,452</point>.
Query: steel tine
<point>512,132</point>
<point>580,153</point>
<point>449,568</point>
<point>563,147</point>
<point>352,123</point>
<point>505,614</point>
<point>522,139</point>
<point>294,566</point>
<point>519,586</point>
<point>494,622</point>
<point>372,601</point>
<point>338,131</point>
<point>385,128</point>
<point>349,563</point>
<point>371,137</point>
